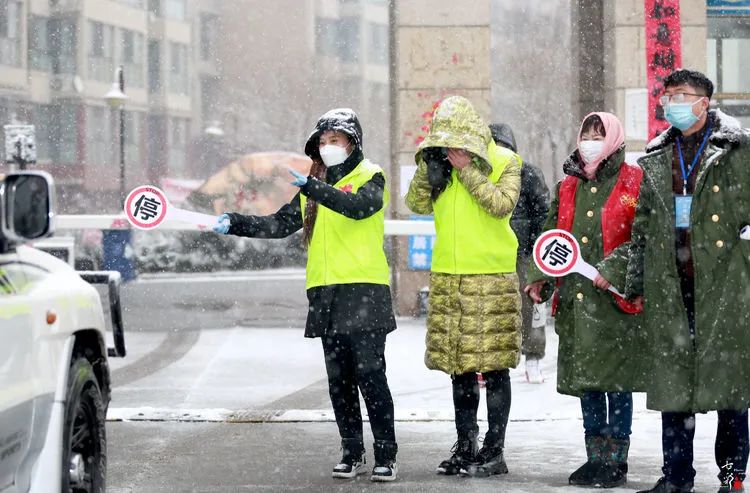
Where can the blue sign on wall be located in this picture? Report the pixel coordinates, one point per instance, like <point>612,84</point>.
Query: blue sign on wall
<point>728,7</point>
<point>420,248</point>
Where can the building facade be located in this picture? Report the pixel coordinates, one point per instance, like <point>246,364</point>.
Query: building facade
<point>58,59</point>
<point>206,80</point>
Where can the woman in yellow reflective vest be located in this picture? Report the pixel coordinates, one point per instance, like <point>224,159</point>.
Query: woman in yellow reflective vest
<point>341,209</point>
<point>471,185</point>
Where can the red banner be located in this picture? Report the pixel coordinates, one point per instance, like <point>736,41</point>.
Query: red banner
<point>663,55</point>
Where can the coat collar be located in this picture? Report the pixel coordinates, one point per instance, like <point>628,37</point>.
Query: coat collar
<point>335,173</point>
<point>608,168</point>
<point>725,132</point>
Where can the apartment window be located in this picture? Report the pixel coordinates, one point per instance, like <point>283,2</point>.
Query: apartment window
<point>209,92</point>
<point>377,52</point>
<point>40,54</point>
<point>209,34</point>
<point>65,134</point>
<point>43,121</point>
<point>133,121</point>
<point>348,39</point>
<point>63,38</point>
<point>154,6</point>
<point>326,36</point>
<point>178,74</point>
<point>10,32</point>
<point>728,60</point>
<point>101,52</point>
<point>154,67</point>
<point>132,57</point>
<point>175,9</point>
<point>136,4</point>
<point>177,145</point>
<point>100,143</point>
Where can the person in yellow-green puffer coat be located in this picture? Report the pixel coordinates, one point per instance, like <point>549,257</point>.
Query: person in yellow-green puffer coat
<point>471,185</point>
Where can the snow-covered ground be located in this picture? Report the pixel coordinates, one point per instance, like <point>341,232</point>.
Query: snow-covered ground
<point>276,375</point>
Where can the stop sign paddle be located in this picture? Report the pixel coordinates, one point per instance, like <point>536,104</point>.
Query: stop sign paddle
<point>557,254</point>
<point>147,207</point>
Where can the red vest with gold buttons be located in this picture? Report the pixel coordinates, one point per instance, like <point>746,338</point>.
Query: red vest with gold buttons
<point>618,214</point>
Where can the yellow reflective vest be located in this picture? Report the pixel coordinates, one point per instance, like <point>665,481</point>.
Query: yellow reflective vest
<point>469,239</point>
<point>344,250</point>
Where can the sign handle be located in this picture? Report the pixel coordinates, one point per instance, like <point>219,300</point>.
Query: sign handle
<point>190,217</point>
<point>589,271</point>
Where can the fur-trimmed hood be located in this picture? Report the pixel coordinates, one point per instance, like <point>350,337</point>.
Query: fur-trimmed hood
<point>726,131</point>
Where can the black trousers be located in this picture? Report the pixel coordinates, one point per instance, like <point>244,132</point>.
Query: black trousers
<point>356,362</point>
<point>730,448</point>
<point>466,404</point>
<point>678,428</point>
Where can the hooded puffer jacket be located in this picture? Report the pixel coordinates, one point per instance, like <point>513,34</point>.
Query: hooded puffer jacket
<point>474,318</point>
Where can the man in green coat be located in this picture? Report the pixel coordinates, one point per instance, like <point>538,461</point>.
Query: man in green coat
<point>688,261</point>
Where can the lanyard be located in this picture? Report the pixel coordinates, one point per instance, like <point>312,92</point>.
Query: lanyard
<point>686,174</point>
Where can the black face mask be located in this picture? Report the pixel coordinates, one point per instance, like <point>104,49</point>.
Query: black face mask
<point>438,169</point>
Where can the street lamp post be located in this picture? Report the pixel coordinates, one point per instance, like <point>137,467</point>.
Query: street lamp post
<point>116,243</point>
<point>116,99</point>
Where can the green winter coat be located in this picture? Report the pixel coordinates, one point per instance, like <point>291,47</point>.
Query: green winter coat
<point>711,372</point>
<point>474,320</point>
<point>599,344</point>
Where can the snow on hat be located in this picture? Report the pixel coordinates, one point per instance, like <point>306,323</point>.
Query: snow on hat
<point>342,120</point>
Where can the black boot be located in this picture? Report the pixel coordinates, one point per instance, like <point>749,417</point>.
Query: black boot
<point>464,453</point>
<point>385,461</point>
<point>664,486</point>
<point>614,472</point>
<point>490,460</point>
<point>352,460</point>
<point>587,474</point>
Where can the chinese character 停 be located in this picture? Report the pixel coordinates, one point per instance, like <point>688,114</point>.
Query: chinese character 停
<point>558,253</point>
<point>147,207</point>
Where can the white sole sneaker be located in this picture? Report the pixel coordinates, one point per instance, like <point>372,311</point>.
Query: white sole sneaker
<point>358,469</point>
<point>384,479</point>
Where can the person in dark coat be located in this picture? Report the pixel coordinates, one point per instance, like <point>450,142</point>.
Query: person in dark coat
<point>340,208</point>
<point>527,222</point>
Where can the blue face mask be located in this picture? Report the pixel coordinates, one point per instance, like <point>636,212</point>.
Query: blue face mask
<point>681,115</point>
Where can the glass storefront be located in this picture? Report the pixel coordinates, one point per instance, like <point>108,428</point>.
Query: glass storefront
<point>728,55</point>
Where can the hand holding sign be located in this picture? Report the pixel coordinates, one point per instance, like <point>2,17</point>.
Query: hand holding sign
<point>147,207</point>
<point>557,254</point>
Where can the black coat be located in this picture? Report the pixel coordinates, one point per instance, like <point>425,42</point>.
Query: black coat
<point>340,308</point>
<point>531,211</point>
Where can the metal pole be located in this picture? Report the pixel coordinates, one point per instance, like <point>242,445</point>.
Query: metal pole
<point>122,136</point>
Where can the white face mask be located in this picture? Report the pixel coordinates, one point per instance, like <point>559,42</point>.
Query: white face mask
<point>590,150</point>
<point>333,155</point>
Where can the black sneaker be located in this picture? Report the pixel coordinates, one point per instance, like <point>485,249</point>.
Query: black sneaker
<point>384,472</point>
<point>464,452</point>
<point>490,461</point>
<point>352,461</point>
<point>664,486</point>
<point>385,461</point>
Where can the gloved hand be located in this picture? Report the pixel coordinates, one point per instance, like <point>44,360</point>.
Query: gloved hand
<point>299,179</point>
<point>222,224</point>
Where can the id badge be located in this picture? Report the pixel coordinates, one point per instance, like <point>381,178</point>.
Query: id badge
<point>682,205</point>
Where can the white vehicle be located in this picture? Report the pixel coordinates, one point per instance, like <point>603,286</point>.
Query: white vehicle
<point>54,371</point>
